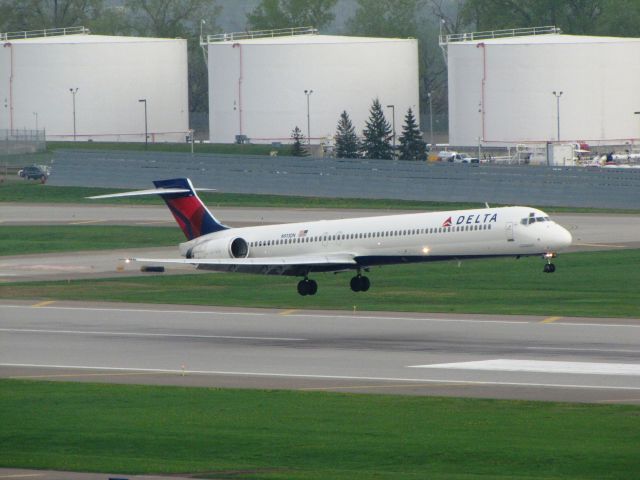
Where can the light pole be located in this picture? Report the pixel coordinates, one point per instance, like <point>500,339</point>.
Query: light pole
<point>430,120</point>
<point>36,114</point>
<point>393,126</point>
<point>146,134</point>
<point>308,94</point>
<point>558,95</point>
<point>73,93</point>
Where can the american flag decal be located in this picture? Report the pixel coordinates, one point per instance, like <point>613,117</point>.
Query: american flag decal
<point>302,233</point>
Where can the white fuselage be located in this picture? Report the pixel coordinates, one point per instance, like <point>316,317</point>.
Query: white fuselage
<point>394,238</point>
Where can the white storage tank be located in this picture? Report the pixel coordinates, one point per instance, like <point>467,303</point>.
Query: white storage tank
<point>106,76</point>
<point>257,85</point>
<point>501,90</point>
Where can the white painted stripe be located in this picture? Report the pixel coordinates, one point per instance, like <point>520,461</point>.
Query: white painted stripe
<point>578,349</point>
<point>138,334</point>
<point>326,316</point>
<point>541,366</point>
<point>327,377</point>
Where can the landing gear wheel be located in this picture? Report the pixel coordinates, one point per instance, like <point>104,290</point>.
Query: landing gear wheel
<point>549,268</point>
<point>307,287</point>
<point>360,283</point>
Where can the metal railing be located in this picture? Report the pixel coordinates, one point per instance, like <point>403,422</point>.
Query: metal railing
<point>50,32</point>
<point>280,32</point>
<point>507,33</point>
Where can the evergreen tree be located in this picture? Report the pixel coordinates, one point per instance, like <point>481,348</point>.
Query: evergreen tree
<point>346,138</point>
<point>412,146</point>
<point>377,134</point>
<point>297,150</point>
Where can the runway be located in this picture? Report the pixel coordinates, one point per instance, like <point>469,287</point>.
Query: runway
<point>536,358</point>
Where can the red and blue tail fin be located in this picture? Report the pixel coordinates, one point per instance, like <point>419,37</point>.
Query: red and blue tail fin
<point>191,214</point>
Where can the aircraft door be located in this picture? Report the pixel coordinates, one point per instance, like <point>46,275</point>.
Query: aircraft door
<point>509,231</point>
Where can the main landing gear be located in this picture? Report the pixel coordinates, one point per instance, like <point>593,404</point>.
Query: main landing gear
<point>549,267</point>
<point>307,287</point>
<point>360,283</point>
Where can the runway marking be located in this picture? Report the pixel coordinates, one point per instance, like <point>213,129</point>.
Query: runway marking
<point>542,366</point>
<point>608,245</point>
<point>288,312</point>
<point>325,316</point>
<point>67,375</point>
<point>550,319</point>
<point>324,377</point>
<point>578,349</point>
<point>625,400</point>
<point>85,222</point>
<point>43,304</point>
<point>360,387</point>
<point>139,334</point>
<point>22,475</point>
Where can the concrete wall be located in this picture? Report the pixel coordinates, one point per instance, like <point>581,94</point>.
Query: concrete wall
<point>515,185</point>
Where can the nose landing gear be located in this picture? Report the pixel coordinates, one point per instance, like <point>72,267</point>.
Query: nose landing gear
<point>549,267</point>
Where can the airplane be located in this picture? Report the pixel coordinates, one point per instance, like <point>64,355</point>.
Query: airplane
<point>352,244</point>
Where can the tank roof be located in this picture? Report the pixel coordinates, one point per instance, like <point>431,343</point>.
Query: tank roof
<point>84,39</point>
<point>546,39</point>
<point>305,39</point>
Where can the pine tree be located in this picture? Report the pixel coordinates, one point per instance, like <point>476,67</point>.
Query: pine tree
<point>346,138</point>
<point>377,134</point>
<point>297,150</point>
<point>412,146</point>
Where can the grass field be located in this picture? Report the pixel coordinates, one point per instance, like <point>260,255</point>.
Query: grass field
<point>602,284</point>
<point>220,148</point>
<point>19,240</point>
<point>22,191</point>
<point>33,192</point>
<point>250,434</point>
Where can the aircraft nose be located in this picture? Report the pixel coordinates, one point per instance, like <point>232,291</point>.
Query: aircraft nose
<point>562,237</point>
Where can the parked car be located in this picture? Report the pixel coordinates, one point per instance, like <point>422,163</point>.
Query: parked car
<point>455,157</point>
<point>33,172</point>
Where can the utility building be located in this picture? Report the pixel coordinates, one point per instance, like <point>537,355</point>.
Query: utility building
<point>257,83</point>
<point>93,87</point>
<point>536,85</point>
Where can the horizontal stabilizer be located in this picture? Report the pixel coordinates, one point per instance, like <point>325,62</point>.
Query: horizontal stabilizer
<point>153,191</point>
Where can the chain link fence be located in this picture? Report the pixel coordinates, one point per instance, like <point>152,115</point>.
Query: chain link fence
<point>19,142</point>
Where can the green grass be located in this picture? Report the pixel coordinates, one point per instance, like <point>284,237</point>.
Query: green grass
<point>252,434</point>
<point>594,284</point>
<point>18,240</point>
<point>21,191</point>
<point>28,192</point>
<point>220,148</point>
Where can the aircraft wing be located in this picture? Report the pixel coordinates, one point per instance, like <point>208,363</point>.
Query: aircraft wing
<point>294,265</point>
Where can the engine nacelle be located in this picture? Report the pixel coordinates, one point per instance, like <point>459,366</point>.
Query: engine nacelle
<point>238,248</point>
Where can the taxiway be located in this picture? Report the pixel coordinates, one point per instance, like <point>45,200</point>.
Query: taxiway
<point>560,359</point>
